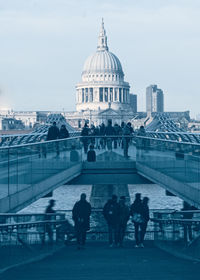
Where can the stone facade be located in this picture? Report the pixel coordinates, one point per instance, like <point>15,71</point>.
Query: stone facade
<point>102,86</point>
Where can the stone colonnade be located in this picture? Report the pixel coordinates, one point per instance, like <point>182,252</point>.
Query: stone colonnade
<point>103,94</point>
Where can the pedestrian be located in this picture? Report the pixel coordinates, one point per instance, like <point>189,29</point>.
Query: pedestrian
<point>111,212</point>
<point>124,214</point>
<point>109,131</point>
<point>117,131</point>
<point>85,139</point>
<point>127,132</point>
<point>92,134</point>
<point>81,215</point>
<point>142,133</point>
<point>121,133</point>
<point>48,228</point>
<point>102,129</point>
<point>136,213</point>
<point>145,219</point>
<point>97,139</point>
<point>53,134</point>
<point>187,227</point>
<point>91,154</point>
<point>63,133</point>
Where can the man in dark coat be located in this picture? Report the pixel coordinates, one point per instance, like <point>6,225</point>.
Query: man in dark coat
<point>85,139</point>
<point>127,131</point>
<point>109,131</point>
<point>187,227</point>
<point>49,210</point>
<point>53,132</point>
<point>63,133</point>
<point>111,212</point>
<point>81,215</point>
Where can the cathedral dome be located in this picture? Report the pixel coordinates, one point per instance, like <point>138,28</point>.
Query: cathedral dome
<point>102,61</point>
<point>102,83</point>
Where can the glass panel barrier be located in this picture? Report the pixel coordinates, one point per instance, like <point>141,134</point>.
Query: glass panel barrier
<point>23,166</point>
<point>178,233</point>
<point>110,148</point>
<point>4,171</point>
<point>177,160</point>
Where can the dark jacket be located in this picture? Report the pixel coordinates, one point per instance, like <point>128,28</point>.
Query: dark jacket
<point>81,214</point>
<point>136,207</point>
<point>85,131</point>
<point>102,130</point>
<point>145,212</point>
<point>109,130</point>
<point>53,133</point>
<point>111,212</point>
<point>188,207</point>
<point>49,210</point>
<point>124,214</point>
<point>63,133</point>
<point>91,156</point>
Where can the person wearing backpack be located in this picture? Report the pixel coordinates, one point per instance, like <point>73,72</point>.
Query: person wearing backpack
<point>111,212</point>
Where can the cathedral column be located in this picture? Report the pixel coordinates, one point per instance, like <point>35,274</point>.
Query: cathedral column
<point>84,95</point>
<point>117,95</point>
<point>127,96</point>
<point>80,95</point>
<point>103,94</point>
<point>124,95</point>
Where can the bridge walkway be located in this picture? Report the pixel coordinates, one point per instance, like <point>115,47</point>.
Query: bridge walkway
<point>99,262</point>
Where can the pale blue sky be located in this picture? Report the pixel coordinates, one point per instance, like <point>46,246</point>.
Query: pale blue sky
<point>44,43</point>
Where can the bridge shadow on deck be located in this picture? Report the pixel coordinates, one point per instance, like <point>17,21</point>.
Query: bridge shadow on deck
<point>99,262</point>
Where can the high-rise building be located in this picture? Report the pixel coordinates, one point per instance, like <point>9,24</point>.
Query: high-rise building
<point>154,99</point>
<point>133,102</point>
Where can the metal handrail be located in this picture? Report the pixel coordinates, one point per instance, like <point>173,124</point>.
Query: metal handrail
<point>168,141</point>
<point>176,221</point>
<point>39,143</point>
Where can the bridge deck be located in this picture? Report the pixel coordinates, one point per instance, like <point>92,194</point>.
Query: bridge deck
<point>98,262</point>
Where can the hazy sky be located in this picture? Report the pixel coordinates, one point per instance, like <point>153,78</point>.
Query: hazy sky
<point>44,43</point>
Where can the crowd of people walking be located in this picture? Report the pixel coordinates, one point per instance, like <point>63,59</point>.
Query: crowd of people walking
<point>102,137</point>
<point>116,214</point>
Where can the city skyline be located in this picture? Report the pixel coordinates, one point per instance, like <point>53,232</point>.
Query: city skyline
<point>45,44</point>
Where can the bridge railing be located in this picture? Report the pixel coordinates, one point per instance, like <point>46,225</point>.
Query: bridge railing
<point>12,218</point>
<point>41,234</point>
<point>180,161</point>
<point>188,137</point>
<point>178,233</point>
<point>25,165</point>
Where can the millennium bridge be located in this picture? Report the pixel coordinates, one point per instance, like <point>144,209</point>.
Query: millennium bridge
<point>31,170</point>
